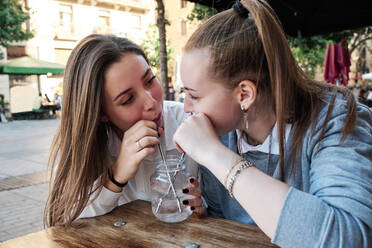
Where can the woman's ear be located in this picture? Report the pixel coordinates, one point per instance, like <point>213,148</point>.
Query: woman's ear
<point>246,93</point>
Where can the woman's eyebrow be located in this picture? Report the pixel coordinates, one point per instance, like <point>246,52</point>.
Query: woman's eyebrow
<point>189,89</point>
<point>121,93</point>
<point>147,72</point>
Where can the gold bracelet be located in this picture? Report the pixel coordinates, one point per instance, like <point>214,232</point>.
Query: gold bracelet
<point>246,164</point>
<point>232,167</point>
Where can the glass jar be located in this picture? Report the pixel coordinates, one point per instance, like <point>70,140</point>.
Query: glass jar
<point>167,183</point>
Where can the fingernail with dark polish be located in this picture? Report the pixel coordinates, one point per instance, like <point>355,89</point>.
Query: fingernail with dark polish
<point>158,134</point>
<point>192,208</point>
<point>192,180</point>
<point>185,202</point>
<point>185,191</point>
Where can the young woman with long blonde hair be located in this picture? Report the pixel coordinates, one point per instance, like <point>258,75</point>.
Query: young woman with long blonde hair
<point>113,118</point>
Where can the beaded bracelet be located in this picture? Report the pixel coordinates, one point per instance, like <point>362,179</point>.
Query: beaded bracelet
<point>246,164</point>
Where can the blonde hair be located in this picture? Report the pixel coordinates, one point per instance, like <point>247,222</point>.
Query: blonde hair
<point>255,48</point>
<point>79,153</point>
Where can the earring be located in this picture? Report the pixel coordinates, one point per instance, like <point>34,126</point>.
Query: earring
<point>246,121</point>
<point>245,116</point>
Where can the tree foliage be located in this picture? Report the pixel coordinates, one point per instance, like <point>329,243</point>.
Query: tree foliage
<point>12,16</point>
<point>201,13</point>
<point>151,47</point>
<point>310,51</point>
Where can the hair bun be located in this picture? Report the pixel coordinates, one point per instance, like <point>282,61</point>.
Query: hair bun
<point>240,9</point>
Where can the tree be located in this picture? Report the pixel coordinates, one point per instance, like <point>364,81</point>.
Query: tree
<point>151,47</point>
<point>161,22</point>
<point>12,17</point>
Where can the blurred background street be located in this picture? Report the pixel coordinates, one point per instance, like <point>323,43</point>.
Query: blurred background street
<point>24,151</point>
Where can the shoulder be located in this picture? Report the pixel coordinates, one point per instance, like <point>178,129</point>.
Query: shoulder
<point>332,118</point>
<point>340,109</point>
<point>174,110</point>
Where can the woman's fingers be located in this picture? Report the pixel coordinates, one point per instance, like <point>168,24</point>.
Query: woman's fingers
<point>192,187</point>
<point>144,153</point>
<point>141,129</point>
<point>198,210</point>
<point>195,203</point>
<point>193,182</point>
<point>147,141</point>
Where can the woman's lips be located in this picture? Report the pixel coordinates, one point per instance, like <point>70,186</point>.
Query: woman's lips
<point>157,120</point>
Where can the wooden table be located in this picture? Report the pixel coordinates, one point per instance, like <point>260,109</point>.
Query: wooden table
<point>144,230</point>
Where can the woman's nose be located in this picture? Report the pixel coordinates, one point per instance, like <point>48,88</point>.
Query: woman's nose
<point>149,101</point>
<point>187,106</point>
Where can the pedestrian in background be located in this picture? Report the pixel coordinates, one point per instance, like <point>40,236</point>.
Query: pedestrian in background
<point>58,101</point>
<point>2,109</point>
<point>295,155</point>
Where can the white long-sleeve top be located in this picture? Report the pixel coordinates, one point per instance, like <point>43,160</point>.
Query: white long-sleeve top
<point>139,186</point>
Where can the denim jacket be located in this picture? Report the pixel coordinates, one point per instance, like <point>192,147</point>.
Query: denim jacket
<point>329,203</point>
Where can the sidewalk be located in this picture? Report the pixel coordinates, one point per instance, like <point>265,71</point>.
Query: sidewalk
<point>24,152</point>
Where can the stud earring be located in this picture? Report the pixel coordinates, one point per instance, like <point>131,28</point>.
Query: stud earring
<point>243,108</point>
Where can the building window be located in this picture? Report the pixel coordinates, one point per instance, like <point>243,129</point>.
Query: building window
<point>183,3</point>
<point>183,27</point>
<point>136,21</point>
<point>65,18</point>
<point>104,18</point>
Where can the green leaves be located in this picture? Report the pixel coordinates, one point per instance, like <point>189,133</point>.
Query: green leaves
<point>310,51</point>
<point>12,16</point>
<point>151,47</point>
<point>201,13</point>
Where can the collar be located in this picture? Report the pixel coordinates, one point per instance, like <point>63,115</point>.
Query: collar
<point>264,147</point>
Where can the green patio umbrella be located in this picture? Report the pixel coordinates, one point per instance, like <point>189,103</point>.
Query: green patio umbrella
<point>30,66</point>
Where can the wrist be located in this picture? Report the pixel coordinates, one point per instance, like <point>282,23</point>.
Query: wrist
<point>117,174</point>
<point>114,182</point>
<point>220,162</point>
<point>117,183</point>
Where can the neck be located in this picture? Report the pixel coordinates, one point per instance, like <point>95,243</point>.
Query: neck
<point>260,126</point>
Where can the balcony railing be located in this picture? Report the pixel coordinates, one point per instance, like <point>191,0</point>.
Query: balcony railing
<point>138,4</point>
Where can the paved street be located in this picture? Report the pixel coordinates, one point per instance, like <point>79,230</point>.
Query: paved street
<point>24,151</point>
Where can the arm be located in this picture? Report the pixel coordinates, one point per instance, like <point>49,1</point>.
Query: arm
<point>126,166</point>
<point>259,194</point>
<point>323,217</point>
<point>337,210</point>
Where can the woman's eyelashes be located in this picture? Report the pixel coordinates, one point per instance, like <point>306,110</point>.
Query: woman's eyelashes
<point>151,80</point>
<point>128,100</point>
<point>193,97</point>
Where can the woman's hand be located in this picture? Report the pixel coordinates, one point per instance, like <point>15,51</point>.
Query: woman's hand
<point>138,142</point>
<point>196,203</point>
<point>197,138</point>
